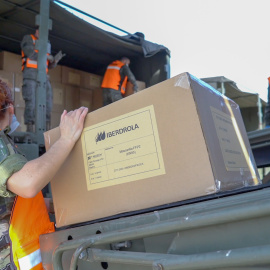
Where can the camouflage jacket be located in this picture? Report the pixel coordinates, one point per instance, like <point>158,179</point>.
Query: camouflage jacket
<point>11,161</point>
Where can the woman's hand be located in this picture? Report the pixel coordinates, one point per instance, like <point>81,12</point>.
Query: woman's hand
<point>71,124</point>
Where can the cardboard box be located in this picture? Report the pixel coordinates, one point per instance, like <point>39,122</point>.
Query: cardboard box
<point>55,119</point>
<point>97,99</point>
<point>7,77</point>
<point>91,81</point>
<point>72,97</point>
<point>86,98</point>
<point>71,76</point>
<point>10,62</point>
<point>55,74</point>
<point>129,90</point>
<point>174,141</point>
<point>58,97</point>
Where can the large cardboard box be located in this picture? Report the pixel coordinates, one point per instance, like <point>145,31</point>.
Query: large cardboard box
<point>55,74</point>
<point>71,76</point>
<point>55,119</point>
<point>86,98</point>
<point>90,81</point>
<point>7,77</point>
<point>10,62</point>
<point>97,99</point>
<point>58,97</point>
<point>174,141</point>
<point>129,90</point>
<point>72,97</point>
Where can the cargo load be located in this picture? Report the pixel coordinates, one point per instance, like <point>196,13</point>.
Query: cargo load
<point>177,140</point>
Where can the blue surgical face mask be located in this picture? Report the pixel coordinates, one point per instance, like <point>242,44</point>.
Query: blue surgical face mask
<point>14,124</point>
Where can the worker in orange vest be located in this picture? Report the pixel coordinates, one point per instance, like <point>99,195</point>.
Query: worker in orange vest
<point>29,71</point>
<point>115,81</point>
<point>22,181</point>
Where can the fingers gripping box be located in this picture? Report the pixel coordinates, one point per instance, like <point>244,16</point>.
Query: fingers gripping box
<point>174,141</point>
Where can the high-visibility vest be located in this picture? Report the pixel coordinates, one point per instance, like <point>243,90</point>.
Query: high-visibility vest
<point>28,221</point>
<point>112,77</point>
<point>29,63</point>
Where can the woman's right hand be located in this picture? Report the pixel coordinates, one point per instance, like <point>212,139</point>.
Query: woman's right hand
<point>71,124</point>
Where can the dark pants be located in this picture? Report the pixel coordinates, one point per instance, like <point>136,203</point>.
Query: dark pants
<point>110,96</point>
<point>29,96</point>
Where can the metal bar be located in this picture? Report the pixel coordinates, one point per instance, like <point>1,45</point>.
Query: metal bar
<point>91,16</point>
<point>262,145</point>
<point>220,259</point>
<point>42,46</point>
<point>244,257</point>
<point>17,24</point>
<point>16,6</point>
<point>223,89</point>
<point>198,220</point>
<point>11,39</point>
<point>260,114</point>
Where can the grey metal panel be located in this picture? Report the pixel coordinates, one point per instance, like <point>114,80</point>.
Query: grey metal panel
<point>204,231</point>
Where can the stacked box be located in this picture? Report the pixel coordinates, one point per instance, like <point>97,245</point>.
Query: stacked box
<point>71,88</point>
<point>10,62</point>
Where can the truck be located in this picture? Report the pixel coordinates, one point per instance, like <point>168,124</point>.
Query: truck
<point>225,230</point>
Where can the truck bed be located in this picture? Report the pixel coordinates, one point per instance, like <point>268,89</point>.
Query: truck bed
<point>221,231</point>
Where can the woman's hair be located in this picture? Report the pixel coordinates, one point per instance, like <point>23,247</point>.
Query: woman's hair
<point>5,95</point>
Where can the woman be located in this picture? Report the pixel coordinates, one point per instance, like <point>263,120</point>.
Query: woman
<point>29,216</point>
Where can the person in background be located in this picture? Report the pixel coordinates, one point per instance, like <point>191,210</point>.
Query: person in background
<point>29,71</point>
<point>21,182</point>
<point>115,81</point>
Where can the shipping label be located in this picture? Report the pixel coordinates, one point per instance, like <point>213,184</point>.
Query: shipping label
<point>232,151</point>
<point>122,149</point>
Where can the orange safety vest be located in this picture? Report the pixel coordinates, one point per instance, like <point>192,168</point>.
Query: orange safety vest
<point>28,221</point>
<point>112,78</point>
<point>29,63</point>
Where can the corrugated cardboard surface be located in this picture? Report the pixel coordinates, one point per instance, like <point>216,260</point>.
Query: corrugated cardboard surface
<point>129,90</point>
<point>71,76</point>
<point>86,98</point>
<point>90,81</point>
<point>10,62</point>
<point>58,97</point>
<point>72,97</point>
<point>226,147</point>
<point>55,74</point>
<point>97,99</point>
<point>188,170</point>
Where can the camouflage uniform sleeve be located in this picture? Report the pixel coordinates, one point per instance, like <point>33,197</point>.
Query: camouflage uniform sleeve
<point>125,71</point>
<point>28,47</point>
<point>10,162</point>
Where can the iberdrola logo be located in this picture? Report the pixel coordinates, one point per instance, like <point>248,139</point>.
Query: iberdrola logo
<point>100,136</point>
